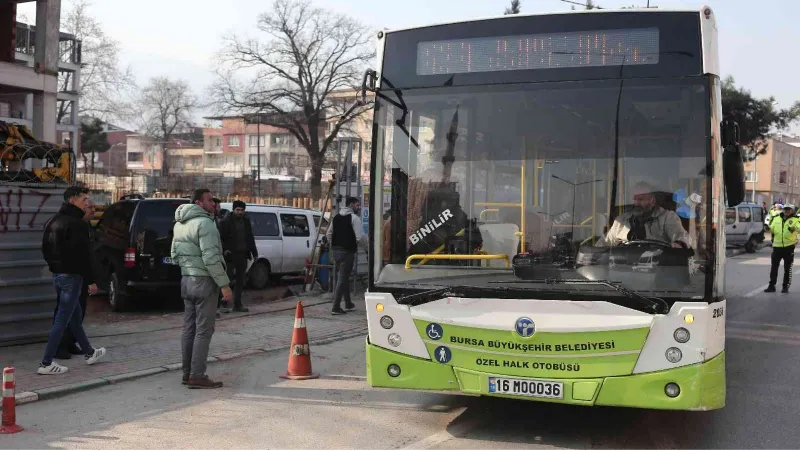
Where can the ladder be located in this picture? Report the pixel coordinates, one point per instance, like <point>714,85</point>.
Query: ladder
<point>312,262</point>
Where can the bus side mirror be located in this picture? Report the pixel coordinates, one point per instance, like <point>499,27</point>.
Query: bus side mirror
<point>732,163</point>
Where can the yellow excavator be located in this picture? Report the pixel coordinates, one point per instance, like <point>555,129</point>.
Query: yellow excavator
<point>17,143</point>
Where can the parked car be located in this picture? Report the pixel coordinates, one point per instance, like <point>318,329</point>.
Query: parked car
<point>133,243</point>
<point>284,238</point>
<point>744,226</point>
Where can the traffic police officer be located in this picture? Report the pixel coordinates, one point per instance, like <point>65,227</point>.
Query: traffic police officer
<point>784,228</point>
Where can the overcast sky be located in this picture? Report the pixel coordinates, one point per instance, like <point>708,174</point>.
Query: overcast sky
<point>177,38</point>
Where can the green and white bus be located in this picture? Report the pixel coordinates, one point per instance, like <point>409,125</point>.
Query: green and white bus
<point>558,188</point>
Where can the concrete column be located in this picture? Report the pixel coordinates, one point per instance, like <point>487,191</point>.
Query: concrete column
<point>8,31</point>
<point>48,19</point>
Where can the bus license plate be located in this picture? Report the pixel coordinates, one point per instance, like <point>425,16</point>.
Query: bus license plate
<point>168,260</point>
<point>530,388</point>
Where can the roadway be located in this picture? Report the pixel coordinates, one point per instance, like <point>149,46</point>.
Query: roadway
<point>258,409</point>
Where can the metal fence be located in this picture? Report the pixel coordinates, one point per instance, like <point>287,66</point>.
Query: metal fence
<point>184,185</point>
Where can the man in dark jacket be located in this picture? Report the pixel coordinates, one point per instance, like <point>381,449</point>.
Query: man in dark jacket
<point>238,245</point>
<point>69,345</point>
<point>66,248</point>
<point>346,235</point>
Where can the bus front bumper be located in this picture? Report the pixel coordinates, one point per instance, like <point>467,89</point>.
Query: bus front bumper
<point>702,386</point>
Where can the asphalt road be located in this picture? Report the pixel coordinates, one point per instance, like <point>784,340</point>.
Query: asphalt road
<point>258,409</point>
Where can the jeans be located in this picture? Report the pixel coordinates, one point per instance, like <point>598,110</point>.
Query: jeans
<point>344,269</point>
<point>236,271</point>
<point>68,316</point>
<point>199,317</point>
<point>68,340</point>
<point>785,254</point>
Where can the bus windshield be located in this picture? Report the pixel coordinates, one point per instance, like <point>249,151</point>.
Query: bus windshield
<point>591,180</point>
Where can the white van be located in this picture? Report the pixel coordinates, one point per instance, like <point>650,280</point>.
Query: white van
<point>284,238</point>
<point>744,226</point>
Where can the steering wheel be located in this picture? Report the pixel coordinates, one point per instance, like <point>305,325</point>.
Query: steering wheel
<point>655,242</point>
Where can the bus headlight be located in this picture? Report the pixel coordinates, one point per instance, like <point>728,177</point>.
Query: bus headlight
<point>681,335</point>
<point>393,370</point>
<point>672,390</point>
<point>387,322</point>
<point>673,354</point>
<point>395,340</point>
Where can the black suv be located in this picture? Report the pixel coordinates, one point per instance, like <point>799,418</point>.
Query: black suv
<point>133,242</point>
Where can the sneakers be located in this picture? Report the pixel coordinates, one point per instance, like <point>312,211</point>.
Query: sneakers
<point>53,369</point>
<point>785,290</point>
<point>337,311</point>
<point>349,306</point>
<point>96,356</point>
<point>241,309</point>
<point>203,383</point>
<point>770,288</point>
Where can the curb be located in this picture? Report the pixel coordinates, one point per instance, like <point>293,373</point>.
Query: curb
<point>60,391</point>
<point>230,317</point>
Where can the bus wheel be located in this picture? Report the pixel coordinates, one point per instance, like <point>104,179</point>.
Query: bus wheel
<point>752,245</point>
<point>259,275</point>
<point>119,300</point>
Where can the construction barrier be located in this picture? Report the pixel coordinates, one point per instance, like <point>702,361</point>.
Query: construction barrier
<point>9,424</point>
<point>299,352</point>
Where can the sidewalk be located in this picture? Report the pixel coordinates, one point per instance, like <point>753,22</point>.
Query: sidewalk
<point>150,346</point>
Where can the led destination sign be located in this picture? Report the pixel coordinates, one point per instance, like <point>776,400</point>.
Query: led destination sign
<point>539,51</point>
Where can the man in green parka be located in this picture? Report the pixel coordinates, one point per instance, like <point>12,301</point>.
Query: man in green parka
<point>197,249</point>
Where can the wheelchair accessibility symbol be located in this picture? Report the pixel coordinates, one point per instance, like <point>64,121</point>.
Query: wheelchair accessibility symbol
<point>434,331</point>
<point>442,354</point>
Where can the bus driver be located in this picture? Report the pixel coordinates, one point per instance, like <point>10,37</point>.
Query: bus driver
<point>647,221</point>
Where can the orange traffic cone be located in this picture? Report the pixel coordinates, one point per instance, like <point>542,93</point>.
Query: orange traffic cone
<point>9,424</point>
<point>299,352</point>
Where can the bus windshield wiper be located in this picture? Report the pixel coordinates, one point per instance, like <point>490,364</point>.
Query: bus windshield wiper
<point>650,304</point>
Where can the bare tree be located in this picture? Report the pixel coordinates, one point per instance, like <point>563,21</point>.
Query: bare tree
<point>103,83</point>
<point>307,56</point>
<point>514,9</point>
<point>164,106</point>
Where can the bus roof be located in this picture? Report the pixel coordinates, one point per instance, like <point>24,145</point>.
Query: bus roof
<point>592,11</point>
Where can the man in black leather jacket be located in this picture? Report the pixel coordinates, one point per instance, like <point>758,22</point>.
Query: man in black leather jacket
<point>67,249</point>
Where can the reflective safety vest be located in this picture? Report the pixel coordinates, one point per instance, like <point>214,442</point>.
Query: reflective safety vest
<point>779,227</point>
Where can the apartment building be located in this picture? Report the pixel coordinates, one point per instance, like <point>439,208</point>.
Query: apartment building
<point>40,73</point>
<point>238,146</point>
<point>775,176</point>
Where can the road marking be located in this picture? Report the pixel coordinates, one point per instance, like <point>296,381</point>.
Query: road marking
<point>744,324</point>
<point>345,377</point>
<point>761,288</point>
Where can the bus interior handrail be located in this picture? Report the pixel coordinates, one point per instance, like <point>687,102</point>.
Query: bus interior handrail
<point>458,257</point>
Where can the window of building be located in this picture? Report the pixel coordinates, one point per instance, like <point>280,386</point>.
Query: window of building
<point>254,160</point>
<point>135,157</point>
<point>256,142</point>
<point>782,177</point>
<point>233,141</point>
<point>282,140</point>
<point>749,175</point>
